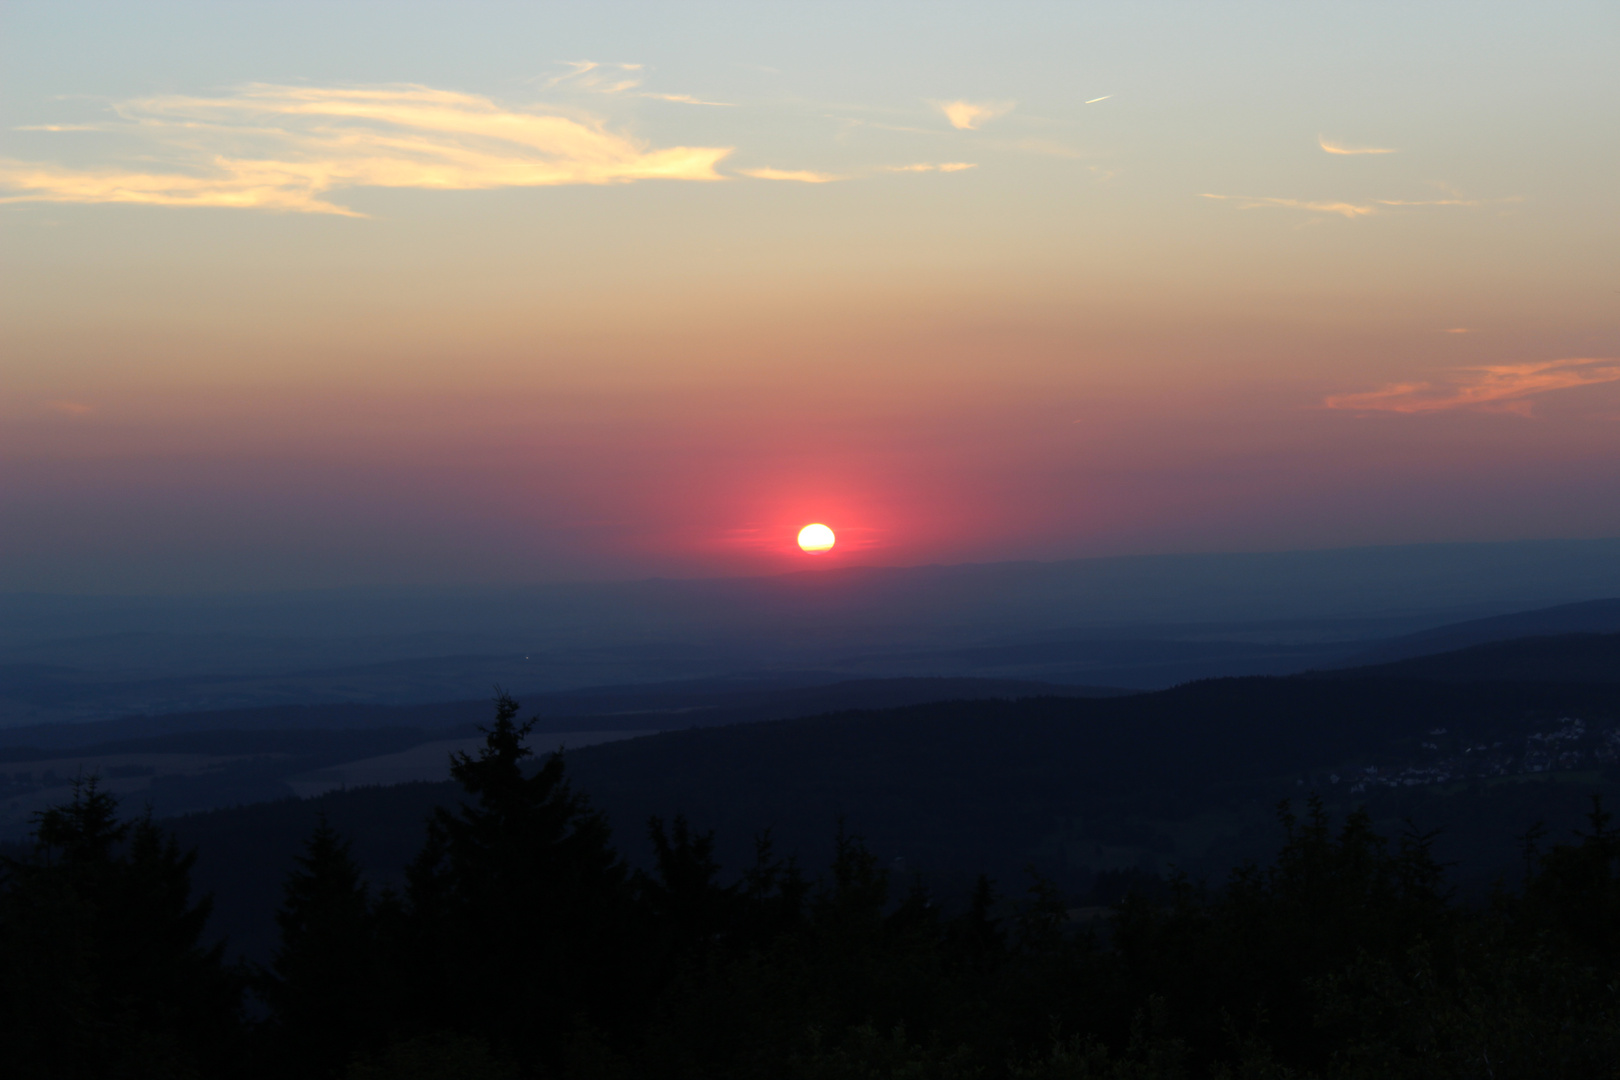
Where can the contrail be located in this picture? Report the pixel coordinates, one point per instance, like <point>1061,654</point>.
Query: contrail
<point>1094,100</point>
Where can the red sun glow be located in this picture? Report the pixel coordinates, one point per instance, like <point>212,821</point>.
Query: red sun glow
<point>816,538</point>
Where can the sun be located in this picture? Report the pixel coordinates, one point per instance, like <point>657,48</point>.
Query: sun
<point>816,538</point>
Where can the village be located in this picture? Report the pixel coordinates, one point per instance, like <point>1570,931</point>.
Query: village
<point>1569,746</point>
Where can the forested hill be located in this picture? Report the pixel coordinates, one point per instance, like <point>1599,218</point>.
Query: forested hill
<point>521,945</point>
<point>1184,778</point>
<point>862,935</point>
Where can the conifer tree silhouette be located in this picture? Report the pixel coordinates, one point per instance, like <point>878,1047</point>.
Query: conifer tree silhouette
<point>519,899</point>
<point>974,939</point>
<point>104,970</point>
<point>323,983</point>
<point>1574,892</point>
<point>690,909</point>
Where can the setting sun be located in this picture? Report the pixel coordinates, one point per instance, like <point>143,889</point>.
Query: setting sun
<point>816,538</point>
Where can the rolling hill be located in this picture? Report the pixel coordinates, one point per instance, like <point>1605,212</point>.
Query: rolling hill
<point>1187,778</point>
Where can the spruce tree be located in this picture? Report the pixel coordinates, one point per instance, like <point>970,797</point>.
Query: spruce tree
<point>691,910</point>
<point>518,900</point>
<point>102,968</point>
<point>323,985</point>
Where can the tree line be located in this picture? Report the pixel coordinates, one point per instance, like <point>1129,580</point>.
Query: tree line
<point>522,945</point>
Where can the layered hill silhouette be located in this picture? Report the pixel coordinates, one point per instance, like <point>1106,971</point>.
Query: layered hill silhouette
<point>945,777</point>
<point>1588,617</point>
<point>1556,658</point>
<point>1187,778</point>
<point>1144,621</point>
<point>198,761</point>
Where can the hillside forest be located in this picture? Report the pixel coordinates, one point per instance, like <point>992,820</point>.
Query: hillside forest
<point>522,944</point>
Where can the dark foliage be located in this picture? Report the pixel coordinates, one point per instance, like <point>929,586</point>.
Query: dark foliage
<point>101,971</point>
<point>523,946</point>
<point>1082,789</point>
<point>962,787</point>
<point>520,881</point>
<point>323,985</point>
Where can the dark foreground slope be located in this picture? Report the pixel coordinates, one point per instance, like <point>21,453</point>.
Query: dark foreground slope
<point>522,946</point>
<point>1186,777</point>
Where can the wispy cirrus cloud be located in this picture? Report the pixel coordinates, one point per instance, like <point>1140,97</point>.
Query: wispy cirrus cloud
<point>594,77</point>
<point>970,115</point>
<point>1253,202</point>
<point>1496,388</point>
<point>290,147</point>
<point>930,166</point>
<point>1340,148</point>
<point>1443,202</point>
<point>1344,209</point>
<point>687,99</point>
<point>1048,148</point>
<point>803,176</point>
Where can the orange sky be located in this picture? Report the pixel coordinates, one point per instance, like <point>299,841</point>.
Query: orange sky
<point>495,294</point>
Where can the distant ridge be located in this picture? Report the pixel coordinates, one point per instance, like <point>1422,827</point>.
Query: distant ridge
<point>1463,578</point>
<point>1589,617</point>
<point>666,706</point>
<point>1552,658</point>
<point>1143,621</point>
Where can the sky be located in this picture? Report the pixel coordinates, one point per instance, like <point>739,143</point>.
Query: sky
<point>310,295</point>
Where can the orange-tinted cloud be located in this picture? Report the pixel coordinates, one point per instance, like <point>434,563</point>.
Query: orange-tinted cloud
<point>970,116</point>
<point>803,176</point>
<point>287,148</point>
<point>1502,388</point>
<point>595,77</point>
<point>71,408</point>
<point>1344,209</point>
<point>1253,202</point>
<point>590,76</point>
<point>1338,148</point>
<point>1439,202</point>
<point>687,99</point>
<point>929,166</point>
